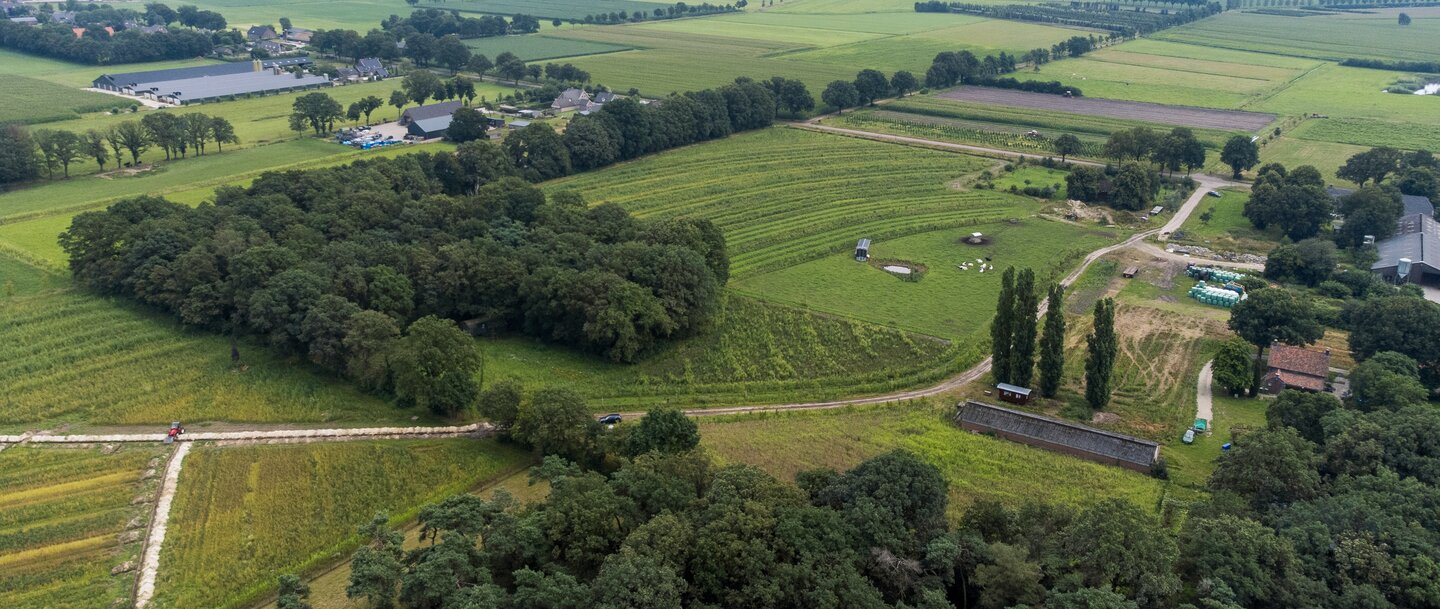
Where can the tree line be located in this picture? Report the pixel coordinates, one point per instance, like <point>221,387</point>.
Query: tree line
<point>1396,65</point>
<point>332,264</point>
<point>1123,19</point>
<point>439,23</point>
<point>23,154</point>
<point>675,11</point>
<point>948,69</point>
<point>97,47</point>
<point>1140,152</point>
<point>1013,340</point>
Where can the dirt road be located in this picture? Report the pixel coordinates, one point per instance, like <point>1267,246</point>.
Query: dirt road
<point>1204,402</point>
<point>159,522</point>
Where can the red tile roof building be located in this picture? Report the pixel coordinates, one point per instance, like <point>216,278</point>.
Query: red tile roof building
<point>1295,368</point>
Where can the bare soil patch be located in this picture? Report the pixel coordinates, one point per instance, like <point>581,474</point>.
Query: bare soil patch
<point>1184,116</point>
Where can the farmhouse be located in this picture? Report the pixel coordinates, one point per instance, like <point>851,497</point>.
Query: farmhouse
<point>570,99</point>
<point>420,113</point>
<point>1059,436</point>
<point>260,32</point>
<point>370,68</point>
<point>296,34</point>
<point>1295,368</point>
<point>214,82</point>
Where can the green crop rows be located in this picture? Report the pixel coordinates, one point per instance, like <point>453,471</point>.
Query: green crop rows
<point>62,513</point>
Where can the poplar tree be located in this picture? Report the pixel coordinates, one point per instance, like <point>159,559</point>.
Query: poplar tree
<point>1002,328</point>
<point>1052,343</point>
<point>1022,336</point>
<point>1102,347</point>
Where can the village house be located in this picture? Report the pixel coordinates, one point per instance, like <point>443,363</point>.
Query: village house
<point>570,99</point>
<point>257,33</point>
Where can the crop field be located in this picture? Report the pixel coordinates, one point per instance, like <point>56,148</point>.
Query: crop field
<point>66,356</point>
<point>789,209</point>
<point>63,512</point>
<point>1228,229</point>
<point>77,75</point>
<point>31,101</point>
<point>1370,132</point>
<point>244,515</point>
<point>994,135</point>
<point>948,301</point>
<point>755,351</point>
<point>358,15</point>
<point>1113,108</point>
<point>679,55</point>
<point>976,466</point>
<point>1331,37</point>
<point>534,47</point>
<point>1357,93</point>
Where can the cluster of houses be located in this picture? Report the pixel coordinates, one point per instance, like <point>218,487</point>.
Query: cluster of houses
<point>580,101</point>
<point>68,17</point>
<point>265,38</point>
<point>1412,254</point>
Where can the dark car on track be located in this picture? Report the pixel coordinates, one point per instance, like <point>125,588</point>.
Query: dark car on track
<point>610,419</point>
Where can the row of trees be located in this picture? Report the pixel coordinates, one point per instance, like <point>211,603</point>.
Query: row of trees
<point>330,264</point>
<point>1013,334</point>
<point>440,23</point>
<point>24,154</point>
<point>97,47</point>
<point>1131,20</point>
<point>679,9</point>
<point>868,86</point>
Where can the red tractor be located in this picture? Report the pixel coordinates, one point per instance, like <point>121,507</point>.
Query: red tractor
<point>175,431</point>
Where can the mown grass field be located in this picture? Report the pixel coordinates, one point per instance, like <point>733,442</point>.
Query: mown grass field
<point>63,512</point>
<point>536,48</point>
<point>1169,73</point>
<point>681,55</point>
<point>1325,156</point>
<point>947,301</point>
<point>68,356</point>
<point>1331,37</point>
<point>245,515</point>
<point>963,131</point>
<point>786,196</point>
<point>547,9</point>
<point>1340,92</point>
<point>976,466</point>
<point>755,351</point>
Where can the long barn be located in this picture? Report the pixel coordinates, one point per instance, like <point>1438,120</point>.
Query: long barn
<point>1059,436</point>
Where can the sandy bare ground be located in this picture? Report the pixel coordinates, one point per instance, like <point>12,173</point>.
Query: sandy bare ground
<point>1184,116</point>
<point>138,100</point>
<point>150,560</point>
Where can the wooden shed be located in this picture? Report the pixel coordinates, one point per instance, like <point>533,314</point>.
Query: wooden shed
<point>1130,272</point>
<point>1014,394</point>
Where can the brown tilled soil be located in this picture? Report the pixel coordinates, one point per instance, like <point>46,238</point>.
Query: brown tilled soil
<point>1184,116</point>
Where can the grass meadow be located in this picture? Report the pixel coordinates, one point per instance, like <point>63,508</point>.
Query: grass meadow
<point>1331,37</point>
<point>31,101</point>
<point>245,515</point>
<point>1228,229</point>
<point>63,512</point>
<point>1325,156</point>
<point>947,301</point>
<point>534,47</point>
<point>976,466</point>
<point>545,9</point>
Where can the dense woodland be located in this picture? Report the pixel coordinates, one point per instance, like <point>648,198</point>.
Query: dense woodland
<point>1308,512</point>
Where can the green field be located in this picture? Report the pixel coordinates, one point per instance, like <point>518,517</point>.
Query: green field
<point>1228,229</point>
<point>31,100</point>
<point>1333,37</point>
<point>1339,92</point>
<point>815,49</point>
<point>947,301</point>
<point>1169,73</point>
<point>67,356</point>
<point>789,209</point>
<point>1192,464</point>
<point>1325,156</point>
<point>360,15</point>
<point>537,48</point>
<point>1370,132</point>
<point>245,515</point>
<point>755,351</point>
<point>976,466</point>
<point>547,9</point>
<point>63,512</point>
<point>77,75</point>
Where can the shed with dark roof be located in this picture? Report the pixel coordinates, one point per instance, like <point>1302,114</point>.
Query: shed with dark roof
<point>1060,436</point>
<point>420,113</point>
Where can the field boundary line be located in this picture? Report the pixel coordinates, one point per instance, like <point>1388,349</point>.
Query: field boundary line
<point>257,436</point>
<point>159,520</point>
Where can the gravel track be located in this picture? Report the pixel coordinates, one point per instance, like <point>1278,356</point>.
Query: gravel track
<point>1184,116</point>
<point>150,560</point>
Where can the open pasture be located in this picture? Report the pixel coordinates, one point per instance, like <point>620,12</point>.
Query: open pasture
<point>1331,37</point>
<point>914,51</point>
<point>1112,108</point>
<point>947,301</point>
<point>1370,132</point>
<point>244,515</point>
<point>14,63</point>
<point>67,356</point>
<point>1228,229</point>
<point>804,195</point>
<point>1339,92</point>
<point>755,351</point>
<point>1325,156</point>
<point>62,514</point>
<point>360,15</point>
<point>976,466</point>
<point>547,9</point>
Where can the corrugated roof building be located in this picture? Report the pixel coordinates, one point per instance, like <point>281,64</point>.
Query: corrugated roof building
<point>1060,436</point>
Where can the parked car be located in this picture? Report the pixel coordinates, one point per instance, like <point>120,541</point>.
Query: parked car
<point>1189,437</point>
<point>1215,193</point>
<point>610,419</point>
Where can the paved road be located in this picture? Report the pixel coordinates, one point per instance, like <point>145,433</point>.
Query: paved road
<point>1204,402</point>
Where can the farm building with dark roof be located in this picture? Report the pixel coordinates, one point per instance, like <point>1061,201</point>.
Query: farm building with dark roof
<point>1295,368</point>
<point>1060,436</point>
<point>420,113</point>
<point>213,82</point>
